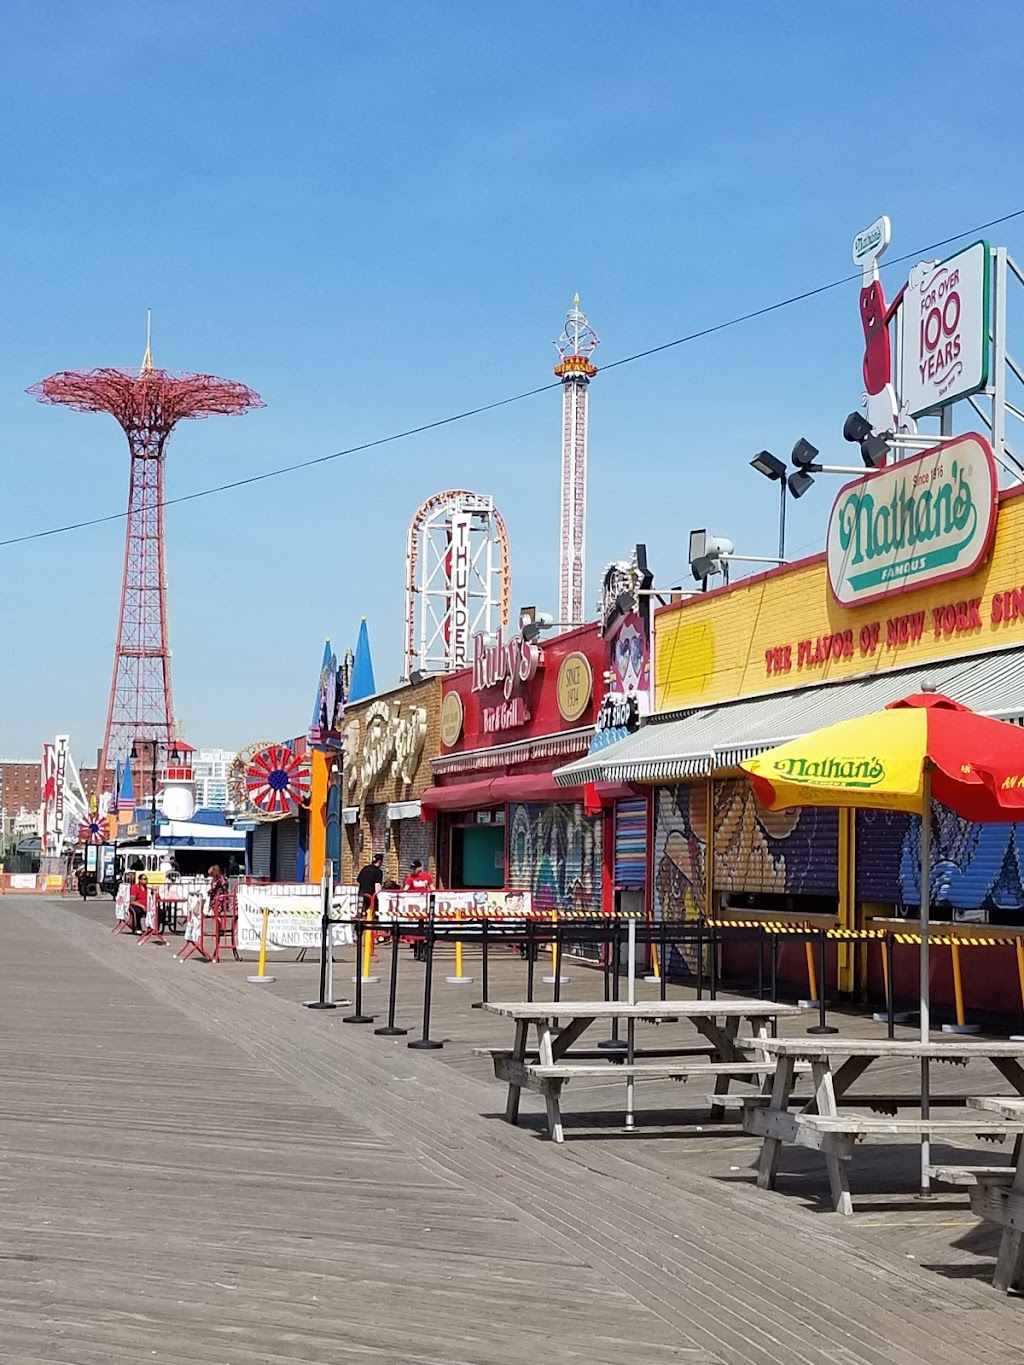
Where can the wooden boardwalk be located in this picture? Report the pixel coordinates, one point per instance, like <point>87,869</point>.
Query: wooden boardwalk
<point>193,1169</point>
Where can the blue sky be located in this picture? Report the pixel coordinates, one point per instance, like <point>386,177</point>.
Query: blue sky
<point>378,215</point>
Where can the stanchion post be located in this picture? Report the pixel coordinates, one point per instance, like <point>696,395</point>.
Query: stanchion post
<point>458,979</point>
<point>325,947</point>
<point>821,1026</point>
<point>890,996</point>
<point>389,1030</point>
<point>961,1025</point>
<point>700,957</point>
<point>425,1042</point>
<point>615,1043</point>
<point>484,965</point>
<point>759,937</point>
<point>713,967</point>
<point>358,1017</point>
<point>531,952</point>
<point>663,955</point>
<point>556,978</point>
<point>261,978</point>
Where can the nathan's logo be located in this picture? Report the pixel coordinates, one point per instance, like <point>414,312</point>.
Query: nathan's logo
<point>832,772</point>
<point>921,521</point>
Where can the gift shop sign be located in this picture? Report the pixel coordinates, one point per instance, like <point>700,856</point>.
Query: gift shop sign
<point>945,331</point>
<point>922,521</point>
<point>508,665</point>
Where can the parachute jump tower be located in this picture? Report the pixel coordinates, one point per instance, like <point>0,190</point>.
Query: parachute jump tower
<point>147,404</point>
<point>575,347</point>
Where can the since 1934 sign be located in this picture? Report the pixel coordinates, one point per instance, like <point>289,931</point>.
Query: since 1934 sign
<point>921,521</point>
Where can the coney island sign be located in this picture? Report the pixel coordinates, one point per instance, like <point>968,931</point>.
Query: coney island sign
<point>919,522</point>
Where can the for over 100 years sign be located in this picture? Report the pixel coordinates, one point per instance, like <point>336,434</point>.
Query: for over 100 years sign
<point>921,521</point>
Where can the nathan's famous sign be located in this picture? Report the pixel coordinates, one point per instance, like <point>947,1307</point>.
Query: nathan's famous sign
<point>921,521</point>
<point>832,771</point>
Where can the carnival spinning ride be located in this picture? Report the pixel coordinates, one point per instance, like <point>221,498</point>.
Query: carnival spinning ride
<point>458,581</point>
<point>147,404</point>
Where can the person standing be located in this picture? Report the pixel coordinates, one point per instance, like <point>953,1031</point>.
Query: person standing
<point>369,880</point>
<point>419,879</point>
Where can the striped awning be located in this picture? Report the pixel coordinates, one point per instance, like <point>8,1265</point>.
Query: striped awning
<point>681,745</point>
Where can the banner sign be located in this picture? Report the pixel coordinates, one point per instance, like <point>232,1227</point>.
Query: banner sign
<point>296,916</point>
<point>495,904</point>
<point>922,521</point>
<point>945,331</point>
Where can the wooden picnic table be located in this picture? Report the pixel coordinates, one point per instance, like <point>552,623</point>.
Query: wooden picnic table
<point>732,1056</point>
<point>836,1063</point>
<point>997,1196</point>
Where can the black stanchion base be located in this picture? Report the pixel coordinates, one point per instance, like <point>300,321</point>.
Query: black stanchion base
<point>358,1018</point>
<point>391,1032</point>
<point>478,1004</point>
<point>614,1044</point>
<point>822,1028</point>
<point>425,1044</point>
<point>321,1005</point>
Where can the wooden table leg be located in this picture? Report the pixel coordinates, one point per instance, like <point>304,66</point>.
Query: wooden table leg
<point>1010,1261</point>
<point>551,1088</point>
<point>782,1088</point>
<point>518,1055</point>
<point>838,1169</point>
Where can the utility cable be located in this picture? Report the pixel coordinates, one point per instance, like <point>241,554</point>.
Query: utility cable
<point>517,397</point>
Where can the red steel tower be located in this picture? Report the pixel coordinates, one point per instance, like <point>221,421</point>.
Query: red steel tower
<point>147,403</point>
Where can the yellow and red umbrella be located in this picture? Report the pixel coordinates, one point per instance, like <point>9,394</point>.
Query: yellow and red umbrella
<point>898,759</point>
<point>974,765</point>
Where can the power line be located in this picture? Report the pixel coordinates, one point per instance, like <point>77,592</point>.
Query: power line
<point>736,321</point>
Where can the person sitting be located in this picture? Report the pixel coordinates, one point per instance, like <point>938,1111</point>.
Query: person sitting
<point>138,904</point>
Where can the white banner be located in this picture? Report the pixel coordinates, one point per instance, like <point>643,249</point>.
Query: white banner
<point>296,913</point>
<point>496,904</point>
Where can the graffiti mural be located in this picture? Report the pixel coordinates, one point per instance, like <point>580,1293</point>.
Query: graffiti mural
<point>555,852</point>
<point>680,865</point>
<point>976,869</point>
<point>786,852</point>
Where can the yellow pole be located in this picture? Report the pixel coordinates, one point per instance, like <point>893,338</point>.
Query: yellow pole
<point>458,949</point>
<point>555,964</point>
<point>261,978</point>
<point>958,985</point>
<point>263,941</point>
<point>1020,967</point>
<point>368,940</point>
<point>885,970</point>
<point>812,975</point>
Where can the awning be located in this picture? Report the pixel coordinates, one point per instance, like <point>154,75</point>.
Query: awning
<point>350,815</point>
<point>675,746</point>
<point>494,791</point>
<point>403,810</point>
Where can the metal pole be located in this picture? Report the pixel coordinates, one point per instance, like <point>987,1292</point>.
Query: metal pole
<point>890,992</point>
<point>325,933</point>
<point>926,877</point>
<point>484,983</point>
<point>426,1042</point>
<point>531,937</point>
<point>821,1026</point>
<point>358,1017</point>
<point>782,518</point>
<point>390,1031</point>
<point>663,951</point>
<point>615,1043</point>
<point>630,1022</point>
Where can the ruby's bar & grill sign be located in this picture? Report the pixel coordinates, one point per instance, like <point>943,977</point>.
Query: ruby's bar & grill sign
<point>922,521</point>
<point>508,664</point>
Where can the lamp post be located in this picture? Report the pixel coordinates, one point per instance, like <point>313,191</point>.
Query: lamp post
<point>775,469</point>
<point>173,757</point>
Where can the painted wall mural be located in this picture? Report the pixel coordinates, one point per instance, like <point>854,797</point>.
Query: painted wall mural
<point>976,869</point>
<point>555,852</point>
<point>787,852</point>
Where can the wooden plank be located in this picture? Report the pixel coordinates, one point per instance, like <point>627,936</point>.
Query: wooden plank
<point>999,1205</point>
<point>972,1175</point>
<point>540,1010</point>
<point>881,1048</point>
<point>1007,1107</point>
<point>881,1125</point>
<point>783,1126</point>
<point>669,1070</point>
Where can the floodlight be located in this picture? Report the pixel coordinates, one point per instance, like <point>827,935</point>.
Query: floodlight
<point>856,428</point>
<point>874,450</point>
<point>769,465</point>
<point>712,552</point>
<point>698,542</point>
<point>804,453</point>
<point>799,483</point>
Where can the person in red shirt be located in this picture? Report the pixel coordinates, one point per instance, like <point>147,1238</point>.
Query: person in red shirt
<point>419,879</point>
<point>138,904</point>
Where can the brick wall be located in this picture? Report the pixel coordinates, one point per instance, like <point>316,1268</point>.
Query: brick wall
<point>389,742</point>
<point>21,786</point>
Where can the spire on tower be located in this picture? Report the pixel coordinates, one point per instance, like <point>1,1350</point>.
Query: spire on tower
<point>575,369</point>
<point>147,359</point>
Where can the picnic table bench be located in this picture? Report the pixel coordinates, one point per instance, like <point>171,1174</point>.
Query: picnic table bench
<point>819,1124</point>
<point>997,1196</point>
<point>732,1056</point>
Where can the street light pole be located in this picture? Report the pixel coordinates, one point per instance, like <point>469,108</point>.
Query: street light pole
<point>782,518</point>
